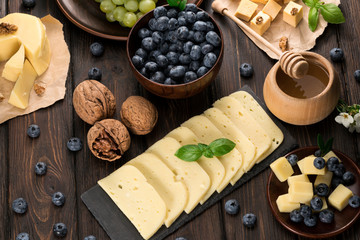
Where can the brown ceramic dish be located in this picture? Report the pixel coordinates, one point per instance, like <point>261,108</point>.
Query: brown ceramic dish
<point>171,91</point>
<point>342,220</point>
<point>86,14</point>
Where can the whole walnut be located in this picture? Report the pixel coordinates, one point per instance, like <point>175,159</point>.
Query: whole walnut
<point>93,101</point>
<point>108,139</point>
<point>139,115</point>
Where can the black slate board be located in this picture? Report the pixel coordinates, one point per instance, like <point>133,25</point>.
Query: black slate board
<point>118,227</point>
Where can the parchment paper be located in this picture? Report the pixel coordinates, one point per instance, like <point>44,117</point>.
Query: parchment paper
<point>53,79</point>
<point>300,38</point>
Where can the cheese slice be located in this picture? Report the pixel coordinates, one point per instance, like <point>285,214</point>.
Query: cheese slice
<point>233,109</point>
<point>14,66</point>
<point>174,193</point>
<point>207,132</point>
<point>136,198</point>
<point>228,128</point>
<point>9,44</point>
<point>195,178</point>
<point>20,94</point>
<point>262,118</point>
<point>212,166</point>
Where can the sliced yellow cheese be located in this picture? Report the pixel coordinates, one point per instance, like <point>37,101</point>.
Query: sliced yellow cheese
<point>285,205</point>
<point>195,178</point>
<point>212,166</point>
<point>339,198</point>
<point>136,198</point>
<point>309,168</point>
<point>246,123</point>
<point>207,132</point>
<point>20,94</point>
<point>297,178</point>
<point>9,44</point>
<point>14,66</point>
<point>282,169</point>
<point>174,193</point>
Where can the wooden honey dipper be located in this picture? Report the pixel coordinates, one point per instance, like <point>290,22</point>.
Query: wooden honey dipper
<point>293,64</point>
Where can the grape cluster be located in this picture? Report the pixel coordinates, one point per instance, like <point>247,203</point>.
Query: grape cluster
<point>126,12</point>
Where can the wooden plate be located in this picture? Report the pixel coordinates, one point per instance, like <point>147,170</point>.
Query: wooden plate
<point>86,14</point>
<point>342,220</point>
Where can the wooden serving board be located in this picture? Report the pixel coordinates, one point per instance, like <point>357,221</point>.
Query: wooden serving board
<point>117,225</point>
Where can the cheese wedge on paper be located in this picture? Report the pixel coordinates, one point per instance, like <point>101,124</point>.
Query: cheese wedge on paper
<point>9,44</point>
<point>14,66</point>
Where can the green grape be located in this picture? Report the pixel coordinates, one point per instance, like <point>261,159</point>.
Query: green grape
<point>139,15</point>
<point>146,6</point>
<point>129,19</point>
<point>118,2</point>
<point>131,6</point>
<point>119,13</point>
<point>110,16</point>
<point>107,6</point>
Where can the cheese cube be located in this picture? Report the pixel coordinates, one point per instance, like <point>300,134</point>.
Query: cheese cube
<point>300,164</point>
<point>301,192</point>
<point>14,66</point>
<point>9,44</point>
<point>260,1</point>
<point>282,169</point>
<point>260,23</point>
<point>309,168</point>
<point>246,10</point>
<point>297,178</point>
<point>339,198</point>
<point>329,155</point>
<point>293,13</point>
<point>324,178</point>
<point>272,8</point>
<point>285,205</point>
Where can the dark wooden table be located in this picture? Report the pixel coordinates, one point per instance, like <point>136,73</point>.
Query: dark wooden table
<point>73,174</point>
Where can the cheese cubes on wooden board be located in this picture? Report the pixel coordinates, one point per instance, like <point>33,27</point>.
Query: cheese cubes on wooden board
<point>182,185</point>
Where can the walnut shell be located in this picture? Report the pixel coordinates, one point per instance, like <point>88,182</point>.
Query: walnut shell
<point>93,101</point>
<point>108,139</point>
<point>139,115</point>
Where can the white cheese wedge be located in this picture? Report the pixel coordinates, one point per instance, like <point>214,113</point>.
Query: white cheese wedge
<point>20,94</point>
<point>207,132</point>
<point>136,198</point>
<point>228,128</point>
<point>195,178</point>
<point>262,118</point>
<point>14,66</point>
<point>233,109</point>
<point>9,44</point>
<point>174,193</point>
<point>212,166</point>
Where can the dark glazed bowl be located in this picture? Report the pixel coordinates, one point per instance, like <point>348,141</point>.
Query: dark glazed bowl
<point>171,91</point>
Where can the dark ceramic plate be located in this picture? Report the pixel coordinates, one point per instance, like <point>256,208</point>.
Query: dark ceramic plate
<point>86,14</point>
<point>342,221</point>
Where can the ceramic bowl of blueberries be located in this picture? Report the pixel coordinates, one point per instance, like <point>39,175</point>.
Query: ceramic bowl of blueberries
<point>175,54</point>
<point>340,221</point>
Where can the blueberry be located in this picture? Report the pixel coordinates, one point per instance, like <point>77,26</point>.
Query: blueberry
<point>164,48</point>
<point>172,37</point>
<point>295,216</point>
<point>191,35</point>
<point>213,38</point>
<point>232,206</point>
<point>160,11</point>
<point>23,236</point>
<point>19,205</point>
<point>357,75</point>
<point>179,46</point>
<point>319,163</point>
<point>190,17</point>
<point>158,37</point>
<point>199,37</point>
<point>33,131</point>
<point>153,55</point>
<point>335,181</point>
<point>339,170</point>
<point>60,230</point>
<point>209,26</point>
<point>190,76</point>
<point>90,237</point>
<point>354,201</point>
<point>332,163</point>
<point>182,33</point>
<point>97,49</point>
<point>202,71</point>
<point>169,81</point>
<point>187,46</point>
<point>144,32</point>
<point>144,72</point>
<point>322,190</point>
<point>151,66</point>
<point>310,221</point>
<point>74,144</point>
<point>209,60</point>
<point>173,57</point>
<point>181,21</point>
<point>202,16</point>
<point>206,48</point>
<point>40,168</point>
<point>137,61</point>
<point>141,53</point>
<point>162,61</point>
<point>152,24</point>
<point>95,73</point>
<point>195,52</point>
<point>172,13</point>
<point>185,59</point>
<point>292,159</point>
<point>249,220</point>
<point>167,69</point>
<point>200,26</point>
<point>246,70</point>
<point>181,238</point>
<point>194,66</point>
<point>148,44</point>
<point>305,211</point>
<point>348,178</point>
<point>29,3</point>
<point>316,203</point>
<point>173,47</point>
<point>181,14</point>
<point>162,23</point>
<point>158,77</point>
<point>173,24</point>
<point>177,72</point>
<point>191,7</point>
<point>336,54</point>
<point>326,216</point>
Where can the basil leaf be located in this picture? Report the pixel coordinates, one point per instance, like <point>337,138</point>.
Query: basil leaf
<point>208,153</point>
<point>221,146</point>
<point>182,5</point>
<point>189,153</point>
<point>313,18</point>
<point>202,147</point>
<point>332,13</point>
<point>310,3</point>
<point>328,146</point>
<point>320,142</point>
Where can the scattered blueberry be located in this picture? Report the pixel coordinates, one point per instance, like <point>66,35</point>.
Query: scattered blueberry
<point>74,144</point>
<point>19,205</point>
<point>339,170</point>
<point>160,11</point>
<point>357,75</point>
<point>33,131</point>
<point>292,159</point>
<point>58,199</point>
<point>319,163</point>
<point>144,32</point>
<point>97,49</point>
<point>90,237</point>
<point>246,70</point>
<point>23,236</point>
<point>310,221</point>
<point>29,3</point>
<point>40,168</point>
<point>295,216</point>
<point>249,220</point>
<point>332,163</point>
<point>232,206</point>
<point>322,190</point>
<point>60,230</point>
<point>305,211</point>
<point>335,181</point>
<point>326,216</point>
<point>316,203</point>
<point>348,178</point>
<point>336,54</point>
<point>317,153</point>
<point>95,73</point>
<point>354,201</point>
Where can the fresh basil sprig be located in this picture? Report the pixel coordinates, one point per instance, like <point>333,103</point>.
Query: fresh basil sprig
<point>181,4</point>
<point>330,12</point>
<point>324,147</point>
<point>216,148</point>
